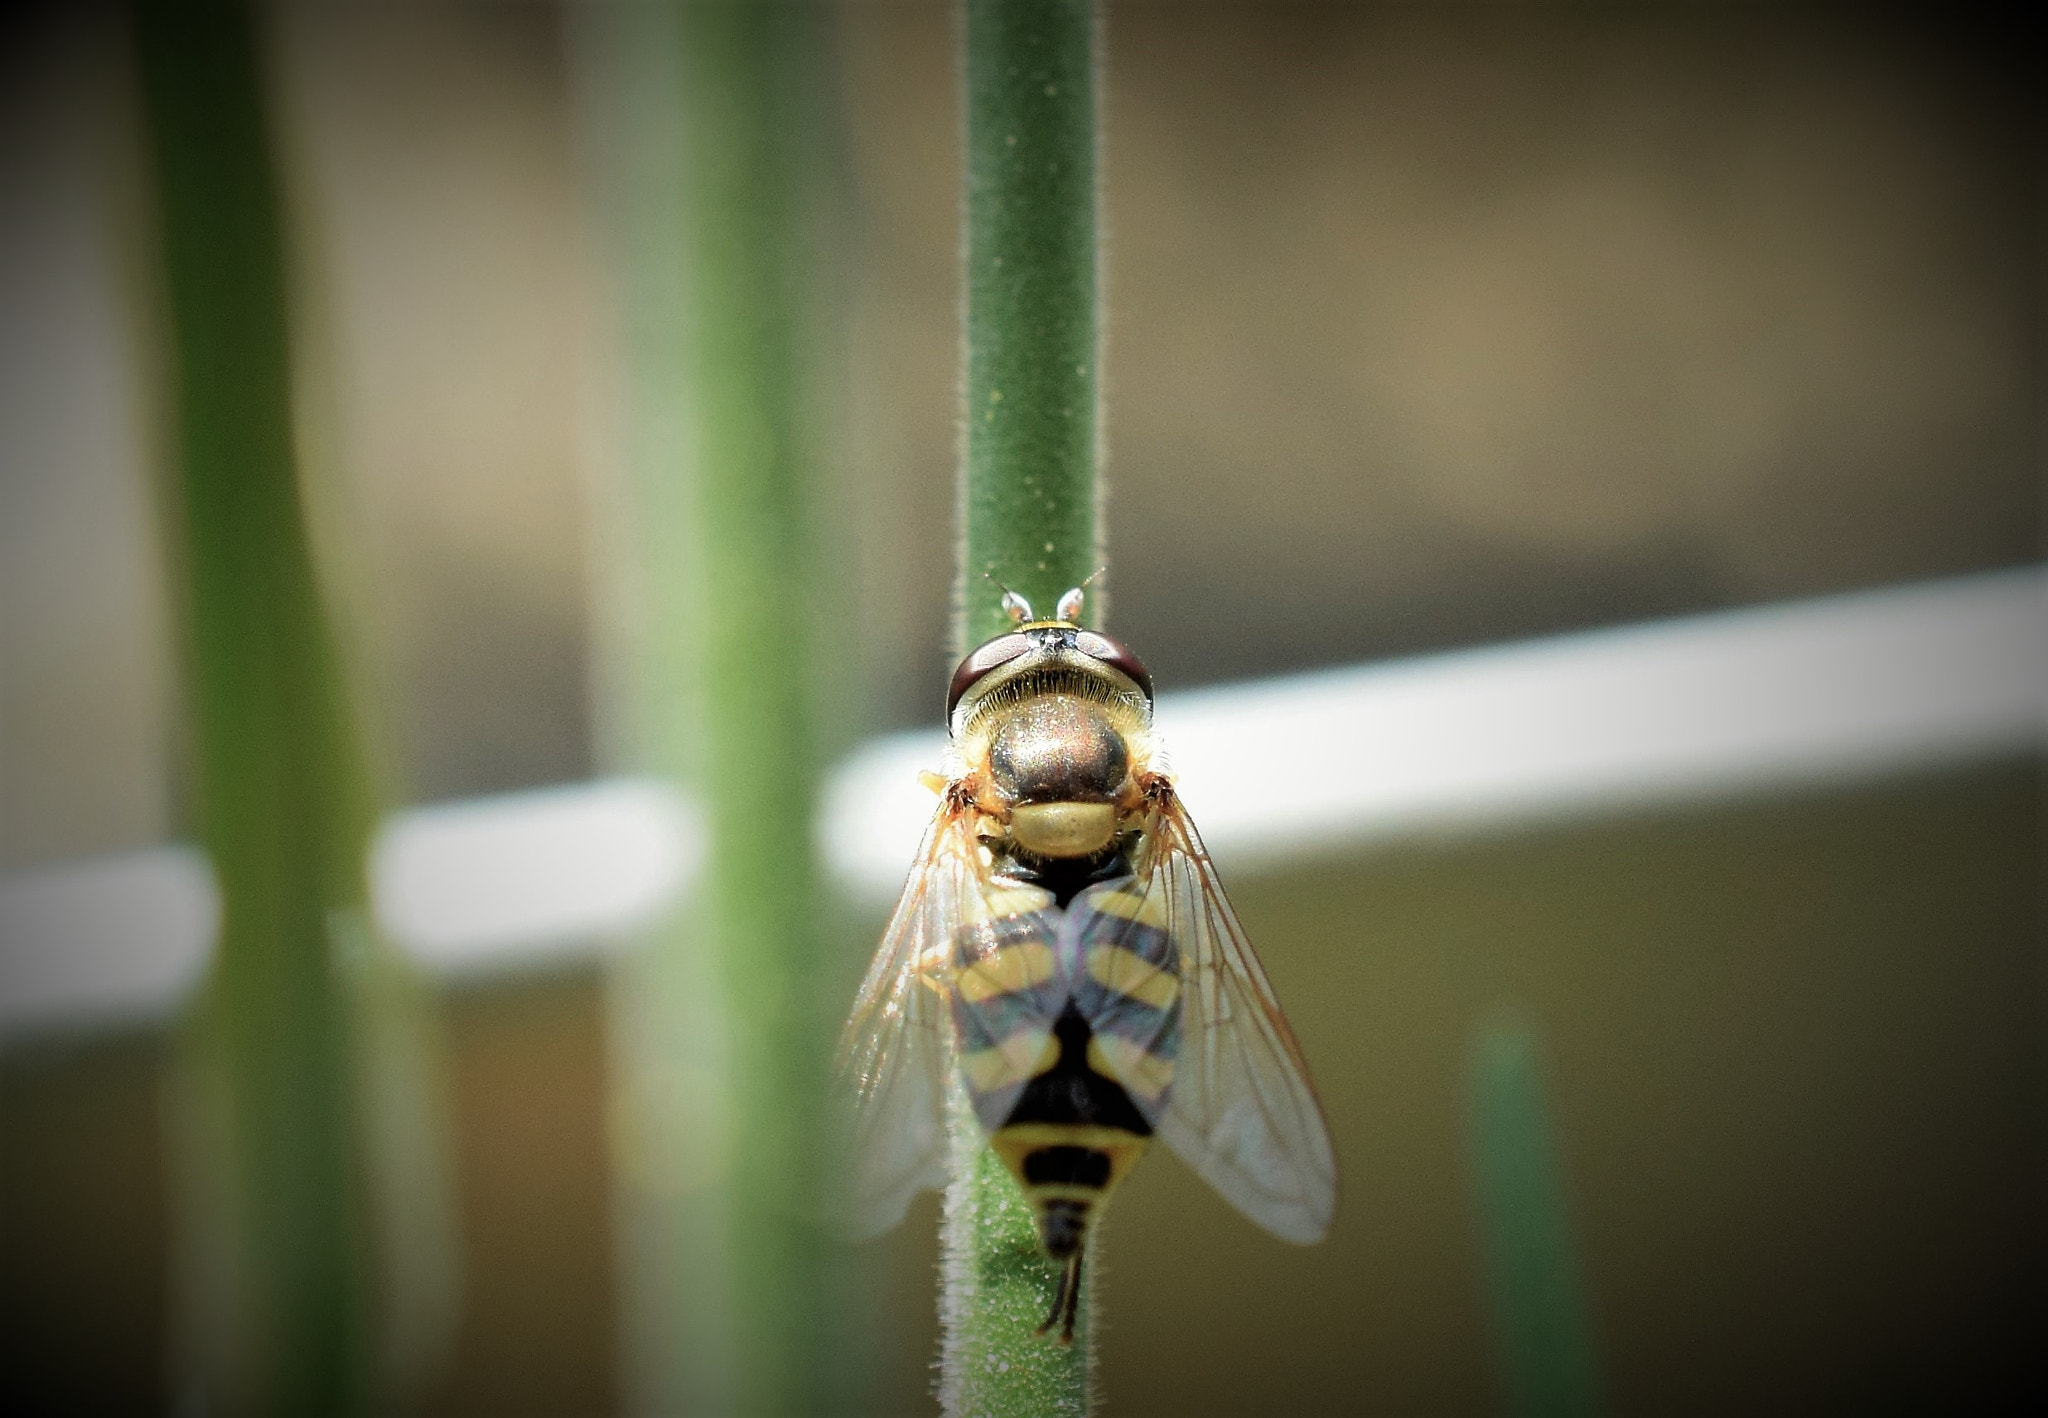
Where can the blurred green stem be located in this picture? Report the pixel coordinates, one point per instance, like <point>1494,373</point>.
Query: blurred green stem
<point>760,616</point>
<point>1538,1302</point>
<point>307,1113</point>
<point>1029,505</point>
<point>733,1289</point>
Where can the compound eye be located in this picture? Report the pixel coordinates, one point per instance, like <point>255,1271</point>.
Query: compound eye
<point>988,656</point>
<point>1117,656</point>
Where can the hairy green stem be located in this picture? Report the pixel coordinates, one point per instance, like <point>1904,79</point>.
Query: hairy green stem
<point>723,1013</point>
<point>1029,508</point>
<point>313,1203</point>
<point>1030,496</point>
<point>1538,1302</point>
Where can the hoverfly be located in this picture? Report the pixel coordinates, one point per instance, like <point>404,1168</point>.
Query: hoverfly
<point>1064,948</point>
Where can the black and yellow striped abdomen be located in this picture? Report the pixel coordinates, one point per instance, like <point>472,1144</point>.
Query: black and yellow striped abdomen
<point>1067,1171</point>
<point>1068,1022</point>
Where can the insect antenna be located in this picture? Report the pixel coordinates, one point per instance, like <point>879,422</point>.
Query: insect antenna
<point>1014,606</point>
<point>1069,608</point>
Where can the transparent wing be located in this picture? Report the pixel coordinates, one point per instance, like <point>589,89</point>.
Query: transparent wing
<point>1240,1109</point>
<point>896,1053</point>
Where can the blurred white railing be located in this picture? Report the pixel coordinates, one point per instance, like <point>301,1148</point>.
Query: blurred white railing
<point>1771,699</point>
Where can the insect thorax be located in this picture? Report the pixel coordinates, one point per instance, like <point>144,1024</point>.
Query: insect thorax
<point>1056,742</point>
<point>1058,764</point>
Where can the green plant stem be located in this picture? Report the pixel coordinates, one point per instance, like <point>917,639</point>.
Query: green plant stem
<point>1029,514</point>
<point>668,1111</point>
<point>305,1109</point>
<point>725,1011</point>
<point>1538,1301</point>
<point>1030,496</point>
<point>760,769</point>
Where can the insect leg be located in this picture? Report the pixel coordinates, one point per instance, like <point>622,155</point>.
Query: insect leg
<point>1073,1288</point>
<point>1066,1300</point>
<point>1059,1299</point>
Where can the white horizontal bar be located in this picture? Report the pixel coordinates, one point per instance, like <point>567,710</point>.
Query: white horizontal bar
<point>486,884</point>
<point>499,880</point>
<point>1772,698</point>
<point>1762,700</point>
<point>106,939</point>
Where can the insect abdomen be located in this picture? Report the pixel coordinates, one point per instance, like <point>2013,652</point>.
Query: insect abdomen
<point>1071,1137</point>
<point>1057,1114</point>
<point>1067,1170</point>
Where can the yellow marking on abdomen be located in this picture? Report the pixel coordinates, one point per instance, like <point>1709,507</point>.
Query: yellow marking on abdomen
<point>1019,1140</point>
<point>1006,971</point>
<point>1129,973</point>
<point>996,902</point>
<point>1014,1060</point>
<point>1147,908</point>
<point>1132,1064</point>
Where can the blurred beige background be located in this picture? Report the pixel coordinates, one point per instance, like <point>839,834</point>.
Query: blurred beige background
<point>1429,326</point>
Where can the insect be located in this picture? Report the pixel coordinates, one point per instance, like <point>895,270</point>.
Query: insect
<point>1064,949</point>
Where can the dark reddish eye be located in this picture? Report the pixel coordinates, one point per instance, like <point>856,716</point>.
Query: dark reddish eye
<point>1114,654</point>
<point>999,651</point>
